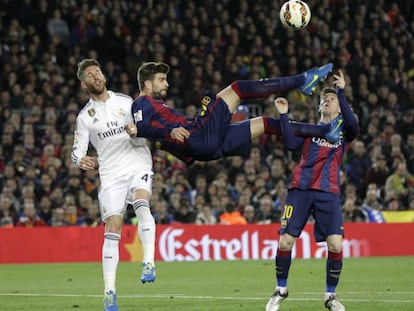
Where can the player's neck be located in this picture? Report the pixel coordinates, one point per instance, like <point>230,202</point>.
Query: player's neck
<point>144,93</point>
<point>102,97</point>
<point>327,118</point>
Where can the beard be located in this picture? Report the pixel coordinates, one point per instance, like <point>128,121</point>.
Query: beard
<point>96,90</point>
<point>159,94</point>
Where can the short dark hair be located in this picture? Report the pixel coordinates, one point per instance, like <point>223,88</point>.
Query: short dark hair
<point>327,90</point>
<point>82,65</point>
<point>148,70</point>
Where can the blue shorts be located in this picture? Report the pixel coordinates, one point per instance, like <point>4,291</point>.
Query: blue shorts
<point>324,207</point>
<point>213,136</point>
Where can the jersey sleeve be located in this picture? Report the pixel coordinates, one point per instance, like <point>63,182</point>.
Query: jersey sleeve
<point>80,141</point>
<point>350,121</point>
<point>144,112</point>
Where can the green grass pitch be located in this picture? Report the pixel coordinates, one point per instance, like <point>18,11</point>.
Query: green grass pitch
<point>366,284</point>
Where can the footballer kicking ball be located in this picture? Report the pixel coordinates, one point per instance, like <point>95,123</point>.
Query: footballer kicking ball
<point>295,14</point>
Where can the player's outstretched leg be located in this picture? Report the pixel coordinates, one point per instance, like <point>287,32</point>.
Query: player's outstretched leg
<point>245,89</point>
<point>314,76</point>
<point>148,273</point>
<point>333,304</point>
<point>110,301</point>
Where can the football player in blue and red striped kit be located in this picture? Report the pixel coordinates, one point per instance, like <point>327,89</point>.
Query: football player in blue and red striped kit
<point>315,190</point>
<point>211,135</point>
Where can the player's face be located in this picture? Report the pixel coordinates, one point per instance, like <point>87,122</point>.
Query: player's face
<point>159,85</point>
<point>94,81</point>
<point>329,105</point>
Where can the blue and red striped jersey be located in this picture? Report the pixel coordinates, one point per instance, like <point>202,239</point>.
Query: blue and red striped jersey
<point>320,165</point>
<point>155,120</point>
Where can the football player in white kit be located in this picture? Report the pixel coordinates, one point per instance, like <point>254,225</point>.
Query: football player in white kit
<point>125,170</point>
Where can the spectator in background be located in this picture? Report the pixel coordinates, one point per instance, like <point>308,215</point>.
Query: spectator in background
<point>378,172</point>
<point>58,218</point>
<point>183,213</point>
<point>236,189</point>
<point>161,214</point>
<point>29,217</point>
<point>266,214</point>
<point>92,217</point>
<point>357,165</point>
<point>6,222</point>
<point>231,216</point>
<point>200,188</point>
<point>409,151</point>
<point>351,212</point>
<point>7,208</point>
<point>393,204</point>
<point>205,216</point>
<point>401,183</point>
<point>250,214</point>
<point>372,205</point>
<point>45,208</point>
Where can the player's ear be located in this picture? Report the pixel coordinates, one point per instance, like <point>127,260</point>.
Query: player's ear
<point>148,84</point>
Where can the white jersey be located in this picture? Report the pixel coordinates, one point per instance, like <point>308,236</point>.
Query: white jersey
<point>102,124</point>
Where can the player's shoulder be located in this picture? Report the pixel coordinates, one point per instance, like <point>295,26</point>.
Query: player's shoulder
<point>85,108</point>
<point>121,96</point>
<point>143,99</point>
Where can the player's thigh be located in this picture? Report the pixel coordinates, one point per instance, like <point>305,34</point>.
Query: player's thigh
<point>140,186</point>
<point>328,215</point>
<point>112,198</point>
<point>296,212</point>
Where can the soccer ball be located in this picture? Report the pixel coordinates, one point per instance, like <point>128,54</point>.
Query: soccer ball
<point>295,14</point>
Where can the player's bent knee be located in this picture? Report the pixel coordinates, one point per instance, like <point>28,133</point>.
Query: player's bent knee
<point>286,242</point>
<point>114,224</point>
<point>334,243</point>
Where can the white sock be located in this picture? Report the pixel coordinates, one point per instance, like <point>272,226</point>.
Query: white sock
<point>110,260</point>
<point>281,289</point>
<point>327,295</point>
<point>146,229</point>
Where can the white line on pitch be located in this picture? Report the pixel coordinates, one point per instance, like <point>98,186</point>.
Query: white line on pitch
<point>180,296</point>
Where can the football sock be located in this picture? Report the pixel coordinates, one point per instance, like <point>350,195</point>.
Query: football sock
<point>265,87</point>
<point>283,260</point>
<point>146,229</point>
<point>333,271</point>
<point>272,126</point>
<point>110,259</point>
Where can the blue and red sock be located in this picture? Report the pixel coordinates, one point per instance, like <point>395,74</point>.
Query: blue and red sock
<point>272,126</point>
<point>283,260</point>
<point>333,271</point>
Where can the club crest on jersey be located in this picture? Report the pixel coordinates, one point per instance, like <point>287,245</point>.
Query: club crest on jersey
<point>204,102</point>
<point>138,116</point>
<point>91,112</point>
<point>122,112</point>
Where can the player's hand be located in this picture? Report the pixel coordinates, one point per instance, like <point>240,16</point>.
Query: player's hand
<point>131,129</point>
<point>87,163</point>
<point>180,134</point>
<point>339,80</point>
<point>281,104</point>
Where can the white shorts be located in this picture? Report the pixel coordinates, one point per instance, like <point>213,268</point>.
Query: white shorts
<point>114,197</point>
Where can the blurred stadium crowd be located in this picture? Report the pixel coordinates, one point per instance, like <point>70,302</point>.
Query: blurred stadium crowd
<point>208,45</point>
